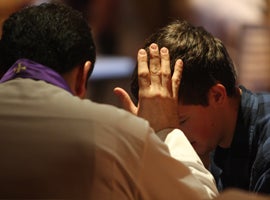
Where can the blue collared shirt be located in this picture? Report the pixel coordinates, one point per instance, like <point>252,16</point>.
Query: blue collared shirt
<point>246,164</point>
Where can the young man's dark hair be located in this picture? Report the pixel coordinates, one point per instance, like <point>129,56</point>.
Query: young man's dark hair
<point>206,61</point>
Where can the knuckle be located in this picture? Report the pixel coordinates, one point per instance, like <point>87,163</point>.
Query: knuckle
<point>155,72</point>
<point>166,74</point>
<point>154,57</point>
<point>165,58</point>
<point>143,74</point>
<point>176,81</point>
<point>154,63</point>
<point>142,58</point>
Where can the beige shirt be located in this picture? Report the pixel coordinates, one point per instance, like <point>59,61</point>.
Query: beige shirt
<point>55,145</point>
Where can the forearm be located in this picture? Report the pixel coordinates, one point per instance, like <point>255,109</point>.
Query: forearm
<point>181,149</point>
<point>163,177</point>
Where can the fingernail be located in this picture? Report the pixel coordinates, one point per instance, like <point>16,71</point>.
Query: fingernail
<point>179,61</point>
<point>164,50</point>
<point>142,52</point>
<point>154,46</point>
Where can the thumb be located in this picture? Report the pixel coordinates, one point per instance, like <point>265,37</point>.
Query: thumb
<point>125,100</point>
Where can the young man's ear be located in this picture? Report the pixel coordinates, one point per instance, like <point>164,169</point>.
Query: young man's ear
<point>81,79</point>
<point>217,94</point>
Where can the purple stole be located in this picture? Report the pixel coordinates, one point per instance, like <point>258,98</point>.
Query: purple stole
<point>24,68</point>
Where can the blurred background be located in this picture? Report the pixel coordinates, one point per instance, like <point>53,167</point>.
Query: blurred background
<point>121,26</point>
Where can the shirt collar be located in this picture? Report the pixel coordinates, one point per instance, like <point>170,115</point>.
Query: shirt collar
<point>25,68</point>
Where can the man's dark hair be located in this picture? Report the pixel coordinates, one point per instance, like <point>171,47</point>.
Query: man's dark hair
<point>206,61</point>
<point>54,35</point>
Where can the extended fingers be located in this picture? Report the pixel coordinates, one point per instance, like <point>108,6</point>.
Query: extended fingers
<point>154,65</point>
<point>125,100</point>
<point>149,75</point>
<point>176,78</point>
<point>143,71</point>
<point>158,74</point>
<point>165,68</point>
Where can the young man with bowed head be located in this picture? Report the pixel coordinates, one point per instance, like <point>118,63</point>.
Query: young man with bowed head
<point>219,117</point>
<point>55,144</point>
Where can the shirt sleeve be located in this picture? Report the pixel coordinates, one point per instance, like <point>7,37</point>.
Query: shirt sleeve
<point>164,177</point>
<point>181,149</point>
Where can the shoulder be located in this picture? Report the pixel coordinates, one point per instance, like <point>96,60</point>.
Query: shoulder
<point>113,123</point>
<point>110,115</point>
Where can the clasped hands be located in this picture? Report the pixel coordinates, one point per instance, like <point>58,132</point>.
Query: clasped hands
<point>158,89</point>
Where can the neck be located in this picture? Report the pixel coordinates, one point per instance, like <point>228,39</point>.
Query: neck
<point>231,119</point>
<point>70,78</point>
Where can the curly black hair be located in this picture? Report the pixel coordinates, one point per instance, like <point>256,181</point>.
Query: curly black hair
<point>51,34</point>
